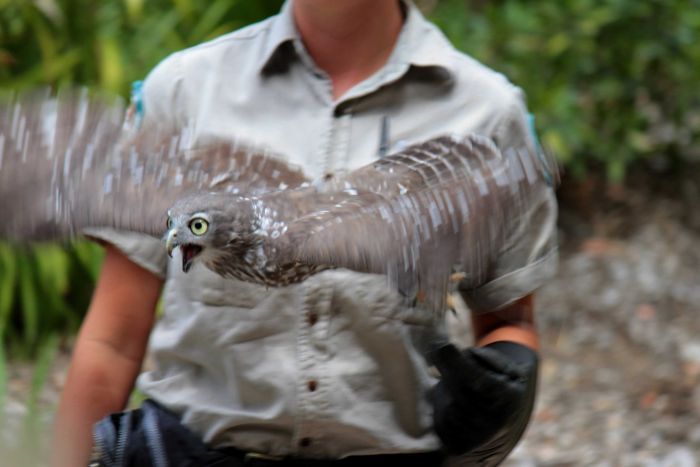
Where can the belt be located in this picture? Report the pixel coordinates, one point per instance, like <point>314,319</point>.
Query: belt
<point>252,459</point>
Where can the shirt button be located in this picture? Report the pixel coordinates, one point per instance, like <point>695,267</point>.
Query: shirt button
<point>312,385</point>
<point>305,442</point>
<point>312,318</point>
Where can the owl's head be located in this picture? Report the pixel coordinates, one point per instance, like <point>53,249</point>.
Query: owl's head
<point>209,228</point>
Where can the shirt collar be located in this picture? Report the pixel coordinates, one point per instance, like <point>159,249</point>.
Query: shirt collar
<point>282,30</point>
<point>420,43</point>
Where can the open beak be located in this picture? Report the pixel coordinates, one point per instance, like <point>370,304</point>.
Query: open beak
<point>171,242</point>
<point>189,252</point>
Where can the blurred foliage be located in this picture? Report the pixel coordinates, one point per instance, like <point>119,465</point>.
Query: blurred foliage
<point>109,43</point>
<point>106,45</point>
<point>44,291</point>
<point>612,82</point>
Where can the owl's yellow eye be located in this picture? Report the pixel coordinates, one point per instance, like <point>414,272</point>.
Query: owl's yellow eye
<point>199,226</point>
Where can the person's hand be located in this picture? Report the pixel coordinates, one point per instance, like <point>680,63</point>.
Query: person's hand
<point>484,400</point>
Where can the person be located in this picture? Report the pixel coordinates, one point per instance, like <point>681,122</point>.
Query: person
<point>330,369</point>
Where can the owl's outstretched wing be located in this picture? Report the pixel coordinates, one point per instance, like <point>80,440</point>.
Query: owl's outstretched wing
<point>446,204</point>
<point>71,162</point>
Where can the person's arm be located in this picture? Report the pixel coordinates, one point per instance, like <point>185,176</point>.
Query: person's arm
<point>512,323</point>
<point>485,397</point>
<point>107,355</point>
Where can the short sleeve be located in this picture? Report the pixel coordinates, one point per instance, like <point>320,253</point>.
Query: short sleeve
<point>528,255</point>
<point>144,250</point>
<point>157,102</point>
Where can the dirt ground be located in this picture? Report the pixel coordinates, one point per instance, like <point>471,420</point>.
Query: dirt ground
<point>620,379</point>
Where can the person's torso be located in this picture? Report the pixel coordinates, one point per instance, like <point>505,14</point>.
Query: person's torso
<point>332,366</point>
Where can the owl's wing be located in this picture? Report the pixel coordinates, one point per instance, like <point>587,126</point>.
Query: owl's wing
<point>72,162</point>
<point>443,205</point>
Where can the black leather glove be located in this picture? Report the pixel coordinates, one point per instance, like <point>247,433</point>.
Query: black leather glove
<point>484,400</point>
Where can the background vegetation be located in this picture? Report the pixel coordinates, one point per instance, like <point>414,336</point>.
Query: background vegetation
<point>612,83</point>
<point>106,45</point>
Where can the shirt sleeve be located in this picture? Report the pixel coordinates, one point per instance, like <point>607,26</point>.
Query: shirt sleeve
<point>163,97</point>
<point>155,104</point>
<point>528,256</point>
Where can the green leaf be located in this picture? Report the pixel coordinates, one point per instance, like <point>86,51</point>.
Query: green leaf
<point>52,267</point>
<point>90,257</point>
<point>111,66</point>
<point>4,379</point>
<point>134,9</point>
<point>8,279</point>
<point>29,295</point>
<point>558,43</point>
<point>212,16</point>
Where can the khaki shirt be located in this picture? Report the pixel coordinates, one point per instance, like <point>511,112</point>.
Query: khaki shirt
<point>332,366</point>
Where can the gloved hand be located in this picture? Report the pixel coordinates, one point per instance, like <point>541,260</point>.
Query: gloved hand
<point>484,400</point>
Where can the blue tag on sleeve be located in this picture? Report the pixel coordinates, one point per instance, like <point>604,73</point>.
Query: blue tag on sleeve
<point>136,109</point>
<point>546,170</point>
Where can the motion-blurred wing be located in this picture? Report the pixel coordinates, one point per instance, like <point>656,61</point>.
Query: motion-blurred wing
<point>443,205</point>
<point>70,162</point>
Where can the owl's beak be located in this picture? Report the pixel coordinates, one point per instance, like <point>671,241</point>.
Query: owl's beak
<point>171,242</point>
<point>189,252</point>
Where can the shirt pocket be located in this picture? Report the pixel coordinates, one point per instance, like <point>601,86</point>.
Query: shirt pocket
<point>200,285</point>
<point>361,300</point>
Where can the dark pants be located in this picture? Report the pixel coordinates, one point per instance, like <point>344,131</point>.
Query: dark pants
<point>154,437</point>
<point>432,459</point>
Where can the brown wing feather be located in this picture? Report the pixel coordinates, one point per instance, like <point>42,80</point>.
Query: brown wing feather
<point>417,215</point>
<point>70,162</point>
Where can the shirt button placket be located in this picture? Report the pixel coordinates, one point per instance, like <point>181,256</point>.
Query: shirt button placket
<point>325,87</point>
<point>313,401</point>
<point>341,136</point>
<point>312,318</point>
